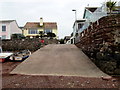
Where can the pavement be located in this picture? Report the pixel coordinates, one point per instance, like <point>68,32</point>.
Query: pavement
<point>59,60</point>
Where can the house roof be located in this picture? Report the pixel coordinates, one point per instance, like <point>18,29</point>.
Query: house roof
<point>79,21</point>
<point>7,21</point>
<point>92,9</point>
<point>37,25</point>
<point>21,27</point>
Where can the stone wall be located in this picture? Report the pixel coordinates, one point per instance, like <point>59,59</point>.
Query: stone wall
<point>101,42</point>
<point>104,30</point>
<point>31,44</point>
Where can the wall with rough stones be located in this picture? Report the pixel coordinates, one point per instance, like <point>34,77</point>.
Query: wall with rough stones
<point>103,30</point>
<point>101,41</point>
<point>31,44</point>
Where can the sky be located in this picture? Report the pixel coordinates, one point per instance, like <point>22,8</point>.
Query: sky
<point>59,11</point>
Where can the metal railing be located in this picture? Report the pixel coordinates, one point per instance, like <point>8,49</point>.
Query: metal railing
<point>96,15</point>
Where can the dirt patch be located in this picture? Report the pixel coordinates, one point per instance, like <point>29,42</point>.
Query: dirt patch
<point>25,81</point>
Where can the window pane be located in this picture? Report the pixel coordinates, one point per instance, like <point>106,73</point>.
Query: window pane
<point>3,36</point>
<point>33,31</point>
<point>47,31</point>
<point>3,28</point>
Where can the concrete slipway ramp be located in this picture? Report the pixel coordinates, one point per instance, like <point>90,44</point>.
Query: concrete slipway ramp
<point>65,60</point>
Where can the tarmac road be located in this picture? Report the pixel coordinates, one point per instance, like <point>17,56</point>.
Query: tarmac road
<point>59,60</point>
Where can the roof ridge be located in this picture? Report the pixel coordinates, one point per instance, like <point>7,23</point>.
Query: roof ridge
<point>7,20</point>
<point>43,22</point>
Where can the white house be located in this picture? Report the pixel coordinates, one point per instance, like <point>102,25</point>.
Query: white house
<point>9,27</point>
<point>76,26</point>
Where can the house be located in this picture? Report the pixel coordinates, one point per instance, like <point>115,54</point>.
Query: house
<point>9,27</point>
<point>91,14</point>
<point>76,27</point>
<point>78,24</point>
<point>33,29</point>
<point>88,12</point>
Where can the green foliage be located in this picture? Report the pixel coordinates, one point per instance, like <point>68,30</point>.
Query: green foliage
<point>111,6</point>
<point>61,41</point>
<point>51,35</point>
<point>37,36</point>
<point>41,34</point>
<point>17,36</point>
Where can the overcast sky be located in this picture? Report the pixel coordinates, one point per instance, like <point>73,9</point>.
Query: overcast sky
<point>59,11</point>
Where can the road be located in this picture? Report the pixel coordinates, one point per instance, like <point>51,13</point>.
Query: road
<point>59,60</point>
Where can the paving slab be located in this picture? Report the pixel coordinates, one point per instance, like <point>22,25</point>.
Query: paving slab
<point>61,60</point>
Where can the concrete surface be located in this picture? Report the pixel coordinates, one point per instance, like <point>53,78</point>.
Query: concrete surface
<point>61,60</point>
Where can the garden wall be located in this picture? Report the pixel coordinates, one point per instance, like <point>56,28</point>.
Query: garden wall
<point>31,44</point>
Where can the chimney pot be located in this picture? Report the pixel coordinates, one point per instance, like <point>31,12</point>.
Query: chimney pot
<point>41,21</point>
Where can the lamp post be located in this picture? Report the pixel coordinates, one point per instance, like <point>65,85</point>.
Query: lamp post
<point>75,14</point>
<point>75,25</point>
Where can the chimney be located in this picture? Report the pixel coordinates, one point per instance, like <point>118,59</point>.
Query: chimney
<point>41,21</point>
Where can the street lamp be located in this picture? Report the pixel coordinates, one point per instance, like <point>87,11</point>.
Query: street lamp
<point>75,14</point>
<point>75,25</point>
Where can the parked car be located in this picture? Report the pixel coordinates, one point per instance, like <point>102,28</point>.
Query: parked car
<point>20,56</point>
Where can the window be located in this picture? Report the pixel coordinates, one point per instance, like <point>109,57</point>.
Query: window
<point>3,28</point>
<point>3,36</point>
<point>33,31</point>
<point>47,31</point>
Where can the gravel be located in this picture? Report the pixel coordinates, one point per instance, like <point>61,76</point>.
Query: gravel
<point>29,81</point>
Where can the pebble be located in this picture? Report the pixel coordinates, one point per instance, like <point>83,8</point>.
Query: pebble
<point>61,79</point>
<point>17,84</point>
<point>88,82</point>
<point>82,85</point>
<point>113,85</point>
<point>106,78</point>
<point>68,83</point>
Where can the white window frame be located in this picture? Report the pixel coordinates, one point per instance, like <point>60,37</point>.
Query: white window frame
<point>33,30</point>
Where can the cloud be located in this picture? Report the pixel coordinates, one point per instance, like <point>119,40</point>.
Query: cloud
<point>59,11</point>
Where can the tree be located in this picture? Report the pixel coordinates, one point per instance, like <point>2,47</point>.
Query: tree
<point>41,34</point>
<point>61,41</point>
<point>51,35</point>
<point>111,6</point>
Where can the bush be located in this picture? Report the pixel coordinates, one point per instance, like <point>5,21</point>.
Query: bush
<point>17,36</point>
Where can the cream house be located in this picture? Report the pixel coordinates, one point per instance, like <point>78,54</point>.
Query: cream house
<point>9,27</point>
<point>32,29</point>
